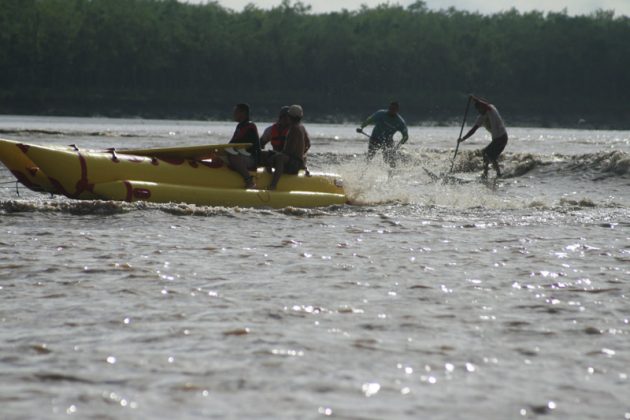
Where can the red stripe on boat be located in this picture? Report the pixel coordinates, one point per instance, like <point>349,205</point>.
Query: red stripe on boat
<point>23,179</point>
<point>141,193</point>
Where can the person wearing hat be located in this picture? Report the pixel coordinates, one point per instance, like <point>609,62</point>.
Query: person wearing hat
<point>386,123</point>
<point>489,118</point>
<point>244,160</point>
<point>293,155</point>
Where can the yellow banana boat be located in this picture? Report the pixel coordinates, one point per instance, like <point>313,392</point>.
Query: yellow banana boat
<point>195,175</point>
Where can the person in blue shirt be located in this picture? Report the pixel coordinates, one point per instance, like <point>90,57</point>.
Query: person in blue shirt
<point>386,123</point>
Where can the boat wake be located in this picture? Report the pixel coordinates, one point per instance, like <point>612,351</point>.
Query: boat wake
<point>529,181</point>
<point>422,178</point>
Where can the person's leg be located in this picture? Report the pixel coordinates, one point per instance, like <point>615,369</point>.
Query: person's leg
<point>486,163</point>
<point>372,149</point>
<point>239,164</point>
<point>266,159</point>
<point>500,146</point>
<point>496,167</point>
<point>492,152</point>
<point>279,160</point>
<point>389,154</point>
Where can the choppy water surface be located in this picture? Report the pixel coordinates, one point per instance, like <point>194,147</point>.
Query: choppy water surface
<point>422,300</point>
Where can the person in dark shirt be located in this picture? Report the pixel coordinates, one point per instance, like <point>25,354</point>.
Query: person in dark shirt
<point>244,160</point>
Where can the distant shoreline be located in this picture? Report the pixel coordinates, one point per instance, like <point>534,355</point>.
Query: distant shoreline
<point>164,59</point>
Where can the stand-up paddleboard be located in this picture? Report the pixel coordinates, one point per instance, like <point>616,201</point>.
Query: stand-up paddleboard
<point>458,180</point>
<point>447,179</point>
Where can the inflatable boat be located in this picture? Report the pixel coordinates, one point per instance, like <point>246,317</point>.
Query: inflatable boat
<point>195,175</point>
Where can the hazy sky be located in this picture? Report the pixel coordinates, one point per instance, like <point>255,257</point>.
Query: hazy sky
<point>622,7</point>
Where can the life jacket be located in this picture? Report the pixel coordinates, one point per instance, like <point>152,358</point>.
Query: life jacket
<point>278,137</point>
<point>247,132</point>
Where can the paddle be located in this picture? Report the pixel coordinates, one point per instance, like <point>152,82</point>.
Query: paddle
<point>359,130</point>
<point>370,137</point>
<point>461,131</point>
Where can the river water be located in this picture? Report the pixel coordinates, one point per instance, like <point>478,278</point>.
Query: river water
<point>501,300</point>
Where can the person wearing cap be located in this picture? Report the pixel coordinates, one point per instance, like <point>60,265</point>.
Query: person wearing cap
<point>293,155</point>
<point>244,160</point>
<point>489,118</point>
<point>387,122</point>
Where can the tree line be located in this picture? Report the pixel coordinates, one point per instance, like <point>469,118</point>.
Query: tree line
<point>163,58</point>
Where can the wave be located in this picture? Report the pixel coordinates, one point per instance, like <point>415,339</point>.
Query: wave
<point>600,165</point>
<point>432,202</point>
<point>106,208</point>
<point>109,208</point>
<point>614,163</point>
<point>375,186</point>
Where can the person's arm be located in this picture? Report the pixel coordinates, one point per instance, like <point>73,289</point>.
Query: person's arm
<point>405,133</point>
<point>478,123</point>
<point>469,134</point>
<point>294,146</point>
<point>265,138</point>
<point>307,142</point>
<point>251,136</point>
<point>405,137</point>
<point>288,142</point>
<point>256,138</point>
<point>368,121</point>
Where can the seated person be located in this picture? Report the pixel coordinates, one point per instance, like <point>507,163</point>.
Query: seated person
<point>275,134</point>
<point>244,160</point>
<point>293,155</point>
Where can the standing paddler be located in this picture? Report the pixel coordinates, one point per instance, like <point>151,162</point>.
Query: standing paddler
<point>489,118</point>
<point>387,122</point>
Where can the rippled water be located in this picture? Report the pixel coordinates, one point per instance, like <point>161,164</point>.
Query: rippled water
<point>423,300</point>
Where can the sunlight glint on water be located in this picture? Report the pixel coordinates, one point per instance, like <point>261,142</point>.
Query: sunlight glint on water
<point>504,299</point>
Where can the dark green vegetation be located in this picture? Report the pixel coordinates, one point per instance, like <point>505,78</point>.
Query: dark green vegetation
<point>168,59</point>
